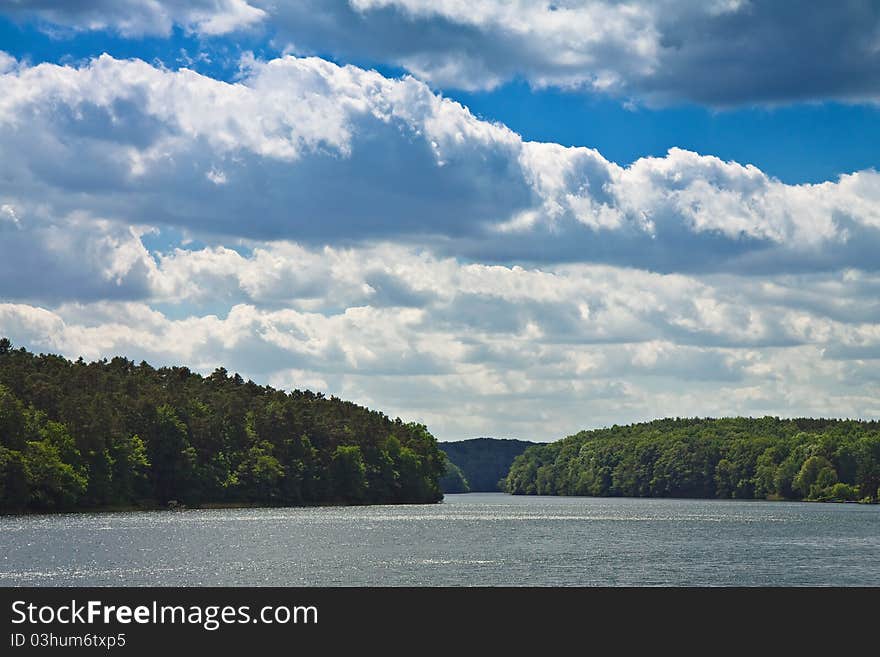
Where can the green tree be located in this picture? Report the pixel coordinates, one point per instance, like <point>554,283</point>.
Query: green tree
<point>483,461</point>
<point>260,474</point>
<point>173,458</point>
<point>15,490</point>
<point>131,468</point>
<point>809,473</point>
<point>545,480</point>
<point>868,466</point>
<point>841,492</point>
<point>704,457</point>
<point>786,474</point>
<point>349,473</point>
<point>12,421</point>
<point>53,483</point>
<point>765,473</point>
<point>726,479</point>
<point>821,488</point>
<point>453,480</point>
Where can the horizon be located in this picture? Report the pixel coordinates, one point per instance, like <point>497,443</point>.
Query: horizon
<point>521,220</point>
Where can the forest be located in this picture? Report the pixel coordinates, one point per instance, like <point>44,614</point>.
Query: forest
<point>729,458</point>
<point>479,464</point>
<point>453,480</point>
<point>112,433</point>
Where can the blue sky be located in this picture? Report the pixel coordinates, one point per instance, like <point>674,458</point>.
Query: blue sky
<point>801,142</point>
<point>511,219</point>
<point>805,142</point>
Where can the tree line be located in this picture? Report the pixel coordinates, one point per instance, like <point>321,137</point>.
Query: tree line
<point>77,435</point>
<point>483,463</point>
<point>730,458</point>
<point>454,481</point>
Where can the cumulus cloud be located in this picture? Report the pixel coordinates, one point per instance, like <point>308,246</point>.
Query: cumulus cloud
<point>570,304</point>
<point>322,225</point>
<point>724,52</point>
<point>400,361</point>
<point>135,18</point>
<point>448,342</point>
<point>307,150</point>
<point>53,258</point>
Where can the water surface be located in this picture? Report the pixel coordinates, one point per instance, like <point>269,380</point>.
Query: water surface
<point>475,539</point>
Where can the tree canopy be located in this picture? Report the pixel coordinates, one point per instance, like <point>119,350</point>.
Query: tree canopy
<point>484,462</point>
<point>741,458</point>
<point>454,481</point>
<point>115,433</point>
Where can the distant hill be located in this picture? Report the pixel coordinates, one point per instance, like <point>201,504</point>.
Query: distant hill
<point>453,480</point>
<point>483,462</point>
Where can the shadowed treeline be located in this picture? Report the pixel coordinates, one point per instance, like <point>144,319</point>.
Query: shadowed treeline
<point>479,464</point>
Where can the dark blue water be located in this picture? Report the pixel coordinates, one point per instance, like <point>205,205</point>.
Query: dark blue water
<point>477,539</point>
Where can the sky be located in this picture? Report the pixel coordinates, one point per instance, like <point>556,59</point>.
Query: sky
<point>499,218</point>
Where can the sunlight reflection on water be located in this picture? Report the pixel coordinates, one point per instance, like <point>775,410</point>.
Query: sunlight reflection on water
<point>478,539</point>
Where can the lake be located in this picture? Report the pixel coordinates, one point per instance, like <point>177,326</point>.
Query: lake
<point>474,539</point>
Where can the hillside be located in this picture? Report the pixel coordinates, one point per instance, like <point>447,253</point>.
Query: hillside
<point>743,458</point>
<point>453,480</point>
<point>483,461</point>
<point>79,435</point>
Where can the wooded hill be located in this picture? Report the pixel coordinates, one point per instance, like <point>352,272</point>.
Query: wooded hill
<point>742,458</point>
<point>480,464</point>
<point>114,433</point>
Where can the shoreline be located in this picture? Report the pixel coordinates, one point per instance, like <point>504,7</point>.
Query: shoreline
<point>217,506</point>
<point>213,506</point>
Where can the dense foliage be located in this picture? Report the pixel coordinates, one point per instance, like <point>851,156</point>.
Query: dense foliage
<point>484,462</point>
<point>454,481</point>
<point>113,433</point>
<point>743,458</point>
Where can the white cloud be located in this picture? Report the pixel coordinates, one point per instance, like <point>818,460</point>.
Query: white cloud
<point>75,256</point>
<point>7,62</point>
<point>222,17</point>
<point>135,18</point>
<point>369,237</point>
<point>386,359</point>
<point>569,43</point>
<point>7,213</point>
<point>311,151</point>
<point>651,51</point>
<point>439,340</point>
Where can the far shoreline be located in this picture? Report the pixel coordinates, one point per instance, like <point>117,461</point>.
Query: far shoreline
<point>220,506</point>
